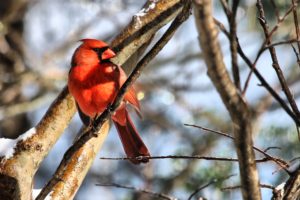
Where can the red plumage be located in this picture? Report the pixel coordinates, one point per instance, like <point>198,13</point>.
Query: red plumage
<point>94,82</point>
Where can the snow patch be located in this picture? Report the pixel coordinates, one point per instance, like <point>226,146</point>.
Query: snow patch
<point>143,12</point>
<point>281,186</point>
<point>35,193</point>
<point>80,158</point>
<point>27,134</point>
<point>7,146</point>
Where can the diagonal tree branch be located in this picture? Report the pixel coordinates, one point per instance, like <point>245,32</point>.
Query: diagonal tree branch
<point>75,171</point>
<point>208,184</point>
<point>275,64</point>
<point>233,100</point>
<point>20,168</point>
<point>291,189</point>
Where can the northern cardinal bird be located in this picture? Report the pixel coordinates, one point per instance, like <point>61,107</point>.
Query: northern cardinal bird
<point>94,82</point>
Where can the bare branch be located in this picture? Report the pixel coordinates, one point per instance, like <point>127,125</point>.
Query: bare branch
<point>181,157</point>
<point>279,22</point>
<point>154,194</point>
<point>208,184</point>
<point>275,64</point>
<point>296,54</point>
<point>264,83</point>
<point>233,44</point>
<point>292,186</point>
<point>231,97</point>
<point>226,7</point>
<point>269,148</point>
<point>296,26</point>
<point>268,38</point>
<point>238,187</point>
<point>281,163</point>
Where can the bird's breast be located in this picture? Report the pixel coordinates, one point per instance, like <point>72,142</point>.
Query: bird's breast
<point>93,89</point>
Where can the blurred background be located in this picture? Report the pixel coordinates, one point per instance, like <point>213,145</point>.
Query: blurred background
<point>37,39</point>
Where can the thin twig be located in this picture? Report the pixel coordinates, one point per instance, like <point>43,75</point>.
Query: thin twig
<point>225,7</point>
<point>233,44</point>
<point>221,27</point>
<point>269,148</point>
<point>294,159</point>
<point>265,43</point>
<point>97,123</point>
<point>279,22</point>
<point>238,187</point>
<point>181,157</point>
<point>155,194</point>
<point>262,49</point>
<point>296,54</point>
<point>260,77</point>
<point>201,188</point>
<point>232,35</point>
<point>281,163</point>
<point>276,44</point>
<point>208,184</point>
<point>275,64</point>
<point>297,30</point>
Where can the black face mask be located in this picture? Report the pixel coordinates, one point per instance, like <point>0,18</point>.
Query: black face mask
<point>100,51</point>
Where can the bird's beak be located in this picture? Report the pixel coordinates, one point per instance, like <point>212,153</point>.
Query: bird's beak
<point>107,54</point>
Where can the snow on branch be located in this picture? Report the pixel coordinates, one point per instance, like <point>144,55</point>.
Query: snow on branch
<point>7,146</point>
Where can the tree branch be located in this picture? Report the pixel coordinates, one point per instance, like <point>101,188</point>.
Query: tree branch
<point>29,153</point>
<point>281,163</point>
<point>234,102</point>
<point>275,64</point>
<point>154,194</point>
<point>208,184</point>
<point>297,30</point>
<point>263,81</point>
<point>233,43</point>
<point>197,157</point>
<point>292,186</point>
<point>75,171</point>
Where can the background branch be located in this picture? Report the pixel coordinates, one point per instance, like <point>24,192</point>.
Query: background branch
<point>275,64</point>
<point>231,97</point>
<point>281,163</point>
<point>154,194</point>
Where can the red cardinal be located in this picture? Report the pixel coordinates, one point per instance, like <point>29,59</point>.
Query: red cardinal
<point>94,82</point>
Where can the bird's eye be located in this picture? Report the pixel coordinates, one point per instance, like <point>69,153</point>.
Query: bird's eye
<point>100,51</point>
